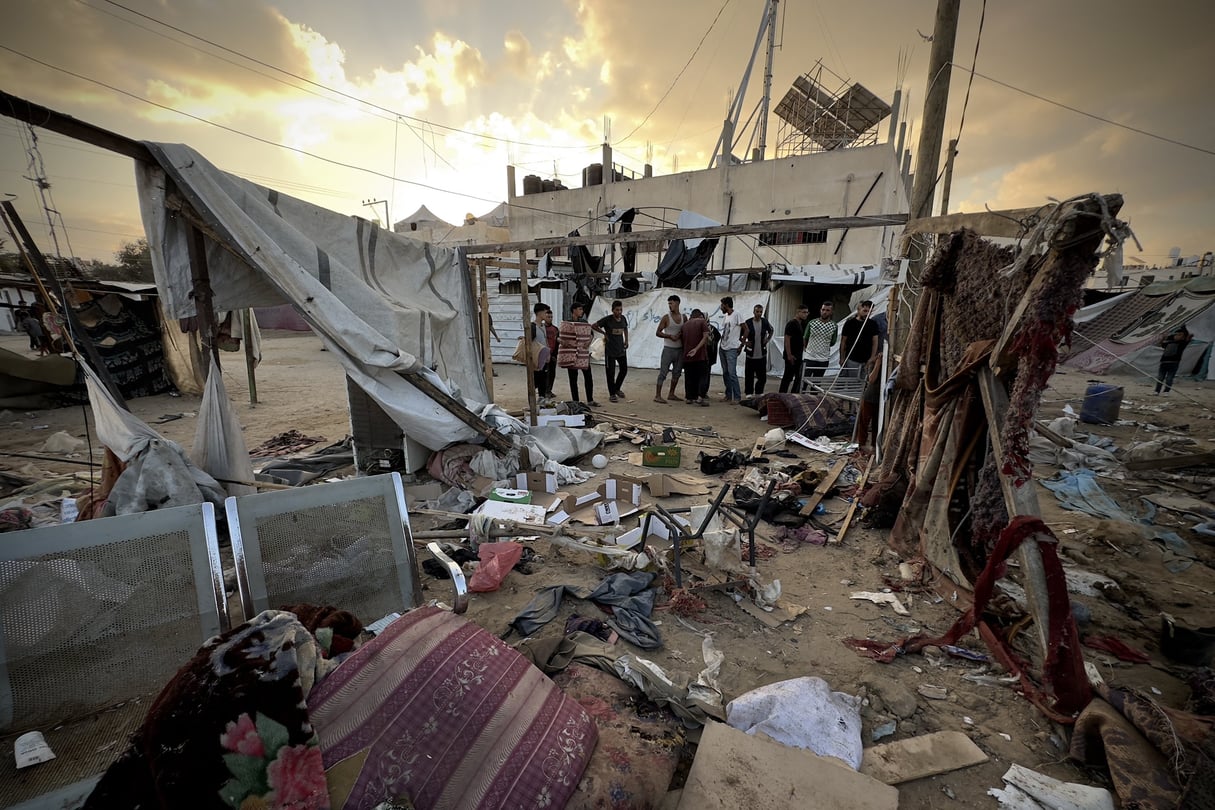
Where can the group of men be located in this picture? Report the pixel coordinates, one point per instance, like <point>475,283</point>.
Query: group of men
<point>691,345</point>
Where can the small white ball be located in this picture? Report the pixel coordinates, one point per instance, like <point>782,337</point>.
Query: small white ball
<point>599,461</point>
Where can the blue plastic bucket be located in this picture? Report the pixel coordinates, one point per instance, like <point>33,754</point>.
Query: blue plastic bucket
<point>1101,404</point>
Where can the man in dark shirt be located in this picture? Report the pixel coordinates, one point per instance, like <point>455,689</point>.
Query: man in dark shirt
<point>695,332</point>
<point>755,336</point>
<point>615,331</point>
<point>1170,359</point>
<point>795,342</point>
<point>858,339</point>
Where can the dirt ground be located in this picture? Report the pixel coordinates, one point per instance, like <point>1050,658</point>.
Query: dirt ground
<point>301,387</point>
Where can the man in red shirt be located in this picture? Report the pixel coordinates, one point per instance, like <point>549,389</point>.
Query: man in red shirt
<point>695,332</point>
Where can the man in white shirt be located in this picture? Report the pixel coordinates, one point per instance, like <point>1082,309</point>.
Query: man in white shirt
<point>731,340</point>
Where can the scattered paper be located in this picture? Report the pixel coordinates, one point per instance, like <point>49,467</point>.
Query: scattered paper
<point>882,599</point>
<point>31,748</point>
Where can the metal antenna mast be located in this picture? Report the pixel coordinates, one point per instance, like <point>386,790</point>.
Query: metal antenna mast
<point>725,143</point>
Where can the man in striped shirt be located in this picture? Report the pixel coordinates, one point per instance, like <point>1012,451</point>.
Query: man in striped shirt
<point>821,334</point>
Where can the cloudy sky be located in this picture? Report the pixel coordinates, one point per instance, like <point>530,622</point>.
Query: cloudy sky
<point>442,94</point>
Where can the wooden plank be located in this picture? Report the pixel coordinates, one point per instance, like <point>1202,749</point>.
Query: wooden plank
<point>1172,462</point>
<point>758,450</point>
<point>860,487</point>
<point>917,757</point>
<point>487,355</point>
<point>1079,233</point>
<point>717,231</point>
<point>492,437</point>
<point>1005,223</point>
<point>45,118</point>
<point>824,486</point>
<point>1018,500</point>
<point>529,361</point>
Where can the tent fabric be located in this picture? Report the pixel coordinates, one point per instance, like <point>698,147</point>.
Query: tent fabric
<point>424,218</point>
<point>384,304</point>
<point>856,275</point>
<point>685,259</point>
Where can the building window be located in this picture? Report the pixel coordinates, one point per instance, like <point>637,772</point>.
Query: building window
<point>793,238</point>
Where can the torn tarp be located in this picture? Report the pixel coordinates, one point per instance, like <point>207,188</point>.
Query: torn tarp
<point>384,304</point>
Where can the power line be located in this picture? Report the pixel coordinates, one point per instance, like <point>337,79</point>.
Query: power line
<point>1094,116</point>
<point>695,51</point>
<point>334,90</point>
<point>269,142</point>
<point>974,62</point>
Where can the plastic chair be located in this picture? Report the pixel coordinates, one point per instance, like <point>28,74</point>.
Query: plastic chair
<point>95,617</point>
<point>346,544</point>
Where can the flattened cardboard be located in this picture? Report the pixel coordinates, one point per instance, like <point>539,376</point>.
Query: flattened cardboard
<point>734,769</point>
<point>917,757</point>
<point>662,485</point>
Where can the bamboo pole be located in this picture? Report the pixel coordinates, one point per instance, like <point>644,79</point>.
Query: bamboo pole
<point>487,355</point>
<point>533,411</point>
<point>246,320</point>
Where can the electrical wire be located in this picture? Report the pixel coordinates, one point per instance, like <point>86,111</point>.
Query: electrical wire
<point>678,75</point>
<point>974,62</point>
<point>331,89</point>
<point>1094,116</point>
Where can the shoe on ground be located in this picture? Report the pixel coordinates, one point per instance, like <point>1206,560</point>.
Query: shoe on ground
<point>704,403</point>
<point>613,398</point>
<point>675,397</point>
<point>660,400</point>
<point>592,403</point>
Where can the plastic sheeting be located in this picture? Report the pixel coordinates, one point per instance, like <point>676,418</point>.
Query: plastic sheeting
<point>219,446</point>
<point>158,474</point>
<point>803,713</point>
<point>384,304</point>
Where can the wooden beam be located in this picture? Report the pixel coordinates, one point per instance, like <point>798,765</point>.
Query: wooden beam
<point>246,321</point>
<point>717,231</point>
<point>1173,462</point>
<point>202,293</point>
<point>1018,500</point>
<point>77,337</point>
<point>1077,237</point>
<point>30,113</point>
<point>528,360</point>
<point>824,486</point>
<point>487,355</point>
<point>456,408</point>
<point>1009,224</point>
<point>860,487</point>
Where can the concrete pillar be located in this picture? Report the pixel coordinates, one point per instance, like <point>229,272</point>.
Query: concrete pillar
<point>649,170</point>
<point>894,116</point>
<point>510,183</point>
<point>609,174</point>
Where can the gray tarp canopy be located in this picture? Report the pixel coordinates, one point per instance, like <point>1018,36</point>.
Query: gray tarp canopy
<point>381,302</point>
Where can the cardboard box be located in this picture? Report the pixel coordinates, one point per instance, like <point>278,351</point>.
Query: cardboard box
<point>662,485</point>
<point>537,481</point>
<point>624,495</point>
<point>649,526</point>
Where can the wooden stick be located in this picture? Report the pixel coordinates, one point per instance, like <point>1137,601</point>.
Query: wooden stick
<point>487,355</point>
<point>529,361</point>
<point>824,486</point>
<point>856,499</point>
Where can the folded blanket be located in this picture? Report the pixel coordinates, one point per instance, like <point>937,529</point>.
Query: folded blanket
<point>438,712</point>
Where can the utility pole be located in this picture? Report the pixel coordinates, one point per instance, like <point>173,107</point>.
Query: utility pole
<point>373,203</point>
<point>928,156</point>
<point>767,97</point>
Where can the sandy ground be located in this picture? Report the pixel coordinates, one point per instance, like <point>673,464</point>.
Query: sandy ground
<point>301,387</point>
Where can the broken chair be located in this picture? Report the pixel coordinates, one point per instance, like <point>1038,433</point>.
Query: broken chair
<point>95,617</point>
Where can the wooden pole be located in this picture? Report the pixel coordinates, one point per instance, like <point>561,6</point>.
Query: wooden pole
<point>75,335</point>
<point>202,299</point>
<point>246,321</point>
<point>532,410</point>
<point>487,354</point>
<point>928,157</point>
<point>948,182</point>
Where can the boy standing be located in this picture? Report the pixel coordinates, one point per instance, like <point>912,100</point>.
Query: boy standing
<point>615,331</point>
<point>696,358</point>
<point>574,351</point>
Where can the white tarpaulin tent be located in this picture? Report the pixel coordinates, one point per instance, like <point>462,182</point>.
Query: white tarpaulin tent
<point>384,304</point>
<point>644,310</point>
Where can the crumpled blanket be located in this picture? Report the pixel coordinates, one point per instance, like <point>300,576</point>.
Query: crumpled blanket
<point>1157,757</point>
<point>627,596</point>
<point>231,730</point>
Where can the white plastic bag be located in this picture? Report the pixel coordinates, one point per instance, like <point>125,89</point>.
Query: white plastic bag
<point>803,713</point>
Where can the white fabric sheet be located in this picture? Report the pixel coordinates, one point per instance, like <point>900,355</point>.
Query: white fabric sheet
<point>381,302</point>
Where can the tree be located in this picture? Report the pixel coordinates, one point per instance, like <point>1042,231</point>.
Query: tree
<point>134,262</point>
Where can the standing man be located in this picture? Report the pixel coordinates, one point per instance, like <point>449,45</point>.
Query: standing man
<point>1170,359</point>
<point>670,329</point>
<point>755,336</point>
<point>574,351</point>
<point>31,327</point>
<point>821,334</point>
<point>615,331</point>
<point>696,358</point>
<point>795,342</point>
<point>544,314</point>
<point>858,339</point>
<point>551,335</point>
<point>731,341</point>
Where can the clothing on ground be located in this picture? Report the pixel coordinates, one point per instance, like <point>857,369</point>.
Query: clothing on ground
<point>627,594</point>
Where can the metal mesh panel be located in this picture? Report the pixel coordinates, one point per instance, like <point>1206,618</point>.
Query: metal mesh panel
<point>92,627</point>
<point>338,555</point>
